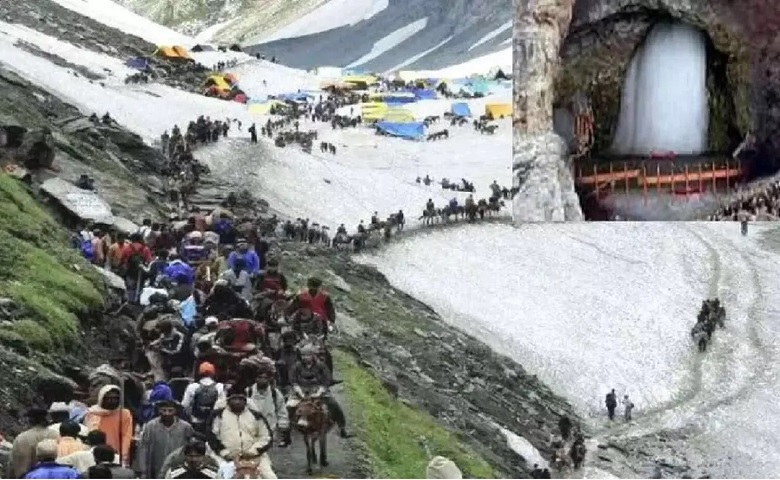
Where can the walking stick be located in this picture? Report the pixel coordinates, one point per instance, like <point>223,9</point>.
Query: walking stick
<point>121,418</point>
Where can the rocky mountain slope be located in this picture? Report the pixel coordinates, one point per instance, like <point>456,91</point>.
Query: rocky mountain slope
<point>228,21</point>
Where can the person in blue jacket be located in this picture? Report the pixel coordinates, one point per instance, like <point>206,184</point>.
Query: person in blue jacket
<point>178,271</point>
<point>47,466</point>
<point>251,260</point>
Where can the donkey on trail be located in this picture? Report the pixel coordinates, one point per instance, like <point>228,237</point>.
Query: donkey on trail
<point>314,422</point>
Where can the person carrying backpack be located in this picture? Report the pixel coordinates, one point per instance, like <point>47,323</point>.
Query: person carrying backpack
<point>135,255</point>
<point>201,396</point>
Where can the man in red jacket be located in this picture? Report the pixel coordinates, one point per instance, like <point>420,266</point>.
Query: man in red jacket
<point>134,257</point>
<point>317,300</point>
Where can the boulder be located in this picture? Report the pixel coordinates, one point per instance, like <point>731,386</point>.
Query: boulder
<point>37,149</point>
<point>83,204</point>
<point>112,279</point>
<point>124,225</point>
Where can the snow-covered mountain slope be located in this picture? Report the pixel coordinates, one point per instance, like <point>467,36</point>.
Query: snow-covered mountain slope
<point>595,306</point>
<point>383,35</point>
<point>370,173</point>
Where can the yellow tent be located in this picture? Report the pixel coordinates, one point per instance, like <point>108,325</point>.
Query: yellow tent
<point>181,51</point>
<point>217,81</point>
<point>398,115</point>
<point>369,79</point>
<point>257,109</point>
<point>165,52</point>
<point>373,111</point>
<point>498,110</point>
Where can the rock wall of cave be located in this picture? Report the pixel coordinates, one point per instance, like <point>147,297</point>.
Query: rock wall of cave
<point>595,40</point>
<point>540,169</point>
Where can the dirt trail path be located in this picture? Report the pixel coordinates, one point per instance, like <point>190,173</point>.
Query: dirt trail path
<point>290,462</point>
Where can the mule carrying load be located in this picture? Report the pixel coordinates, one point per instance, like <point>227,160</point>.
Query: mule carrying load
<point>711,316</point>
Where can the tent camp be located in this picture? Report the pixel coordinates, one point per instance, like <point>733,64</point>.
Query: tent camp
<point>202,48</point>
<point>498,110</point>
<point>139,63</point>
<point>461,109</point>
<point>411,130</point>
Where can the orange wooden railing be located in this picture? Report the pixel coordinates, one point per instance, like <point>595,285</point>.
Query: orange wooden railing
<point>696,179</point>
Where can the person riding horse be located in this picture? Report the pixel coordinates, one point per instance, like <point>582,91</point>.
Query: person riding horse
<point>711,316</point>
<point>310,377</point>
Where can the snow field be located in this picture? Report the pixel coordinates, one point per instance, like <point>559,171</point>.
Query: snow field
<point>369,173</point>
<point>480,65</point>
<point>589,307</point>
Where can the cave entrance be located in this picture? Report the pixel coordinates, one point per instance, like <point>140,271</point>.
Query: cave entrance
<point>665,149</point>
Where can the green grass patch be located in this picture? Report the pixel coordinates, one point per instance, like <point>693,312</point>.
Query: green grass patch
<point>395,434</point>
<point>41,272</point>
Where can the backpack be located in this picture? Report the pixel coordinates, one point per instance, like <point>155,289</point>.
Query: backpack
<point>203,401</point>
<point>87,250</point>
<point>135,261</point>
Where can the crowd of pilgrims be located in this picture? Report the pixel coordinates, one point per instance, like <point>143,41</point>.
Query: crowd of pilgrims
<point>226,352</point>
<point>758,203</point>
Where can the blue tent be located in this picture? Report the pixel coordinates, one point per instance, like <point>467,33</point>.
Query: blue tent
<point>139,63</point>
<point>422,94</point>
<point>413,130</point>
<point>461,109</point>
<point>296,97</point>
<point>399,99</point>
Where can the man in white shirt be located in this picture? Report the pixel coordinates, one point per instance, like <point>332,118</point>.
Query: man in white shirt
<point>264,397</point>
